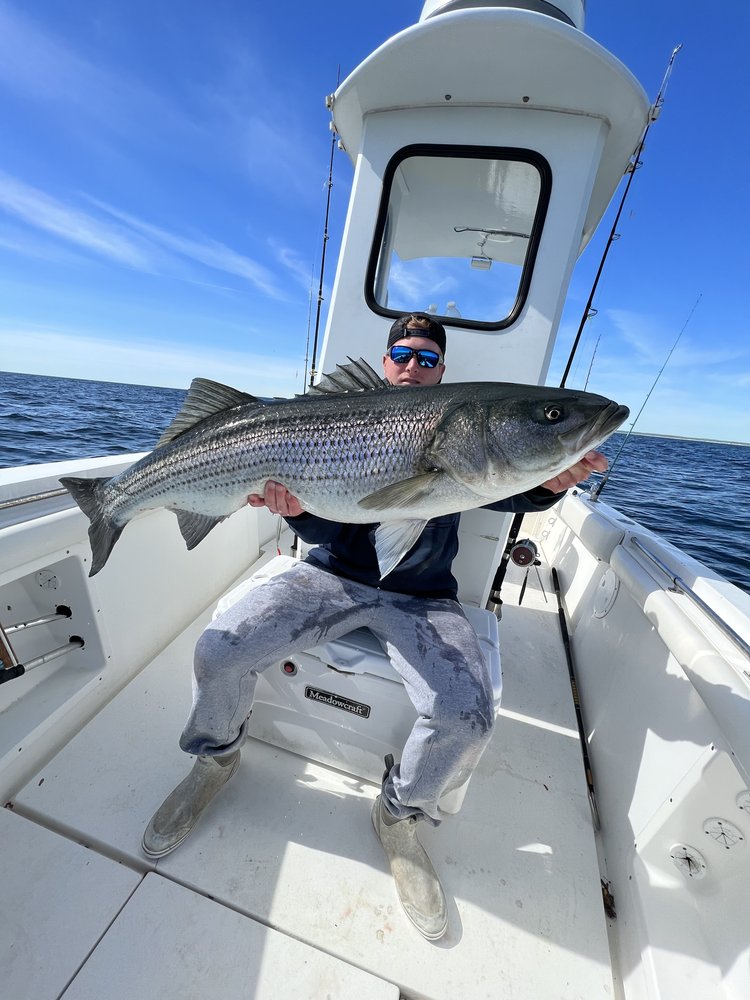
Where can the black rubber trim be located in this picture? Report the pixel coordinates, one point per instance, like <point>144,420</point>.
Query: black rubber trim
<point>464,152</point>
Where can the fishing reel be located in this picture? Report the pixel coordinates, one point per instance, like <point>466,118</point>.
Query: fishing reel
<point>521,552</point>
<point>525,553</point>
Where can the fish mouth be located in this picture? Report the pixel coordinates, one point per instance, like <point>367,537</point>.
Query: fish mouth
<point>605,423</point>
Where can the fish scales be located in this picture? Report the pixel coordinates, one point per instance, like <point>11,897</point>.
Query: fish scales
<point>305,450</point>
<point>391,456</point>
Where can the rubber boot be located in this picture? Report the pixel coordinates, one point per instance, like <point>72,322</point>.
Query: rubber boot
<point>180,811</point>
<point>418,887</point>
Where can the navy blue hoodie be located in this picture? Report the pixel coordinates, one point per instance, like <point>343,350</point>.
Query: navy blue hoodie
<point>348,549</point>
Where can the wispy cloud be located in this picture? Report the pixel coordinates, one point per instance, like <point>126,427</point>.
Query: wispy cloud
<point>70,224</point>
<point>731,380</point>
<point>293,263</point>
<point>267,140</point>
<point>72,354</point>
<point>35,64</point>
<point>205,251</point>
<point>23,243</point>
<point>651,342</point>
<point>419,281</point>
<point>128,240</point>
<point>213,118</point>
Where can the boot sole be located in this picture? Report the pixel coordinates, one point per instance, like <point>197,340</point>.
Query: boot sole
<point>167,850</point>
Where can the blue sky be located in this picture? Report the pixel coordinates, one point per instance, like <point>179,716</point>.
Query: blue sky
<point>162,193</point>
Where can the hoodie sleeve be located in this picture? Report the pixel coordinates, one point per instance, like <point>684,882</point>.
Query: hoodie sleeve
<point>527,503</point>
<point>313,529</point>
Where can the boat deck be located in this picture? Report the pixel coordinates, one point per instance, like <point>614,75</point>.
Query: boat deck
<point>283,890</point>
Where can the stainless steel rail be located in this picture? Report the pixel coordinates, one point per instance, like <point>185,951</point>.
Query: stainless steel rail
<point>13,670</point>
<point>683,588</point>
<point>75,642</point>
<point>33,622</point>
<point>32,498</point>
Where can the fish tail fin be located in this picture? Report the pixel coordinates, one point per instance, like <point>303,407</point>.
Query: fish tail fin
<point>87,493</point>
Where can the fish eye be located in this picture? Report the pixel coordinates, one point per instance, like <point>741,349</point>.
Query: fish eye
<point>553,413</point>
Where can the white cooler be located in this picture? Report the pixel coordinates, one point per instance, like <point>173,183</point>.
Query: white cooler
<point>342,703</point>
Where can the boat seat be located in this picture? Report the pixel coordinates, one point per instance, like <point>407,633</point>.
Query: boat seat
<point>360,651</point>
<point>342,703</point>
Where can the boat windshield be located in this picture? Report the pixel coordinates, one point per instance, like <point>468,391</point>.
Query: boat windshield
<point>457,233</point>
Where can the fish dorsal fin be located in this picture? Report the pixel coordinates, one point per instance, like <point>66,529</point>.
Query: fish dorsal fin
<point>204,398</point>
<point>357,376</point>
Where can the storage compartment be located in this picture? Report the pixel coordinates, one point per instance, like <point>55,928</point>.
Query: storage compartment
<point>63,651</point>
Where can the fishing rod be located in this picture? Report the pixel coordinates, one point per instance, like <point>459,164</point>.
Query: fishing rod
<point>634,164</point>
<point>495,599</point>
<point>576,702</point>
<point>329,185</point>
<point>598,487</point>
<point>309,323</point>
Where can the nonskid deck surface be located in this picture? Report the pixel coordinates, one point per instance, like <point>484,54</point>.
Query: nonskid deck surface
<point>283,890</point>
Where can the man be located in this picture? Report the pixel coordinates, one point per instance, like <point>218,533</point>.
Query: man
<point>414,613</point>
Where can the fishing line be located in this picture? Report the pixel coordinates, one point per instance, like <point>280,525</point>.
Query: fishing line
<point>591,365</point>
<point>584,343</point>
<point>597,489</point>
<point>634,164</point>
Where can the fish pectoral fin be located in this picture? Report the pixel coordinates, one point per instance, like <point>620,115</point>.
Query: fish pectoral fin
<point>401,494</point>
<point>393,540</point>
<point>195,527</point>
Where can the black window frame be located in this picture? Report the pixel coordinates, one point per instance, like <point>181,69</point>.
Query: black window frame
<point>515,153</point>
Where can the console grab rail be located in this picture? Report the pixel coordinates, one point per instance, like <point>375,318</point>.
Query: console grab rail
<point>682,587</point>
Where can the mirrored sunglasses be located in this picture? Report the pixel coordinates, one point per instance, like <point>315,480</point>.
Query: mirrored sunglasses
<point>402,355</point>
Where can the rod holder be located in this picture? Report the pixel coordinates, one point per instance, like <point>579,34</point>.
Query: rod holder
<point>61,612</point>
<point>19,669</point>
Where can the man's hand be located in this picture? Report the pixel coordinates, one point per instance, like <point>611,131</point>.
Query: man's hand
<point>592,461</point>
<point>278,499</point>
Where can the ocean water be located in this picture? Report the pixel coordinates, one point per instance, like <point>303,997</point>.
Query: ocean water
<point>46,419</point>
<point>695,493</point>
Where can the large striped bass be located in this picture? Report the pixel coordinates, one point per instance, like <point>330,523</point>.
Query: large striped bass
<point>354,449</point>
